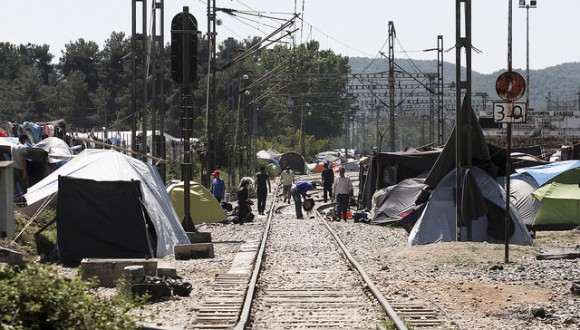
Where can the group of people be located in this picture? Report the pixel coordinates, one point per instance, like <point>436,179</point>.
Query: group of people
<point>339,189</point>
<point>263,187</point>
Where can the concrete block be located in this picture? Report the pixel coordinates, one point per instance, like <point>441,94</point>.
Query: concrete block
<point>167,269</point>
<point>199,237</point>
<point>110,270</point>
<point>134,274</point>
<point>193,251</point>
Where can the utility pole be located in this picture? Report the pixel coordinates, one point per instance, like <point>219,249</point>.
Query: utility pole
<point>210,154</point>
<point>527,6</point>
<point>440,101</point>
<point>462,87</point>
<point>392,35</point>
<point>158,86</point>
<point>143,38</point>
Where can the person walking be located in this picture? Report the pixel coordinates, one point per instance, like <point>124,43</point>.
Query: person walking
<point>287,181</point>
<point>298,192</point>
<point>218,186</point>
<point>263,187</point>
<point>327,183</point>
<point>343,191</point>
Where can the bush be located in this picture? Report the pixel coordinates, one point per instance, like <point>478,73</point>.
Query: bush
<point>37,297</point>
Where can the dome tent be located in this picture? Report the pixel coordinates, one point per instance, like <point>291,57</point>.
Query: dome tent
<point>94,219</point>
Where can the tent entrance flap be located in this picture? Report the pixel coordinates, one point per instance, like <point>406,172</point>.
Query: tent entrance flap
<point>102,220</point>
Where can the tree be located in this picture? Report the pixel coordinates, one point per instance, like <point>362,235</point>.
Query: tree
<point>84,57</point>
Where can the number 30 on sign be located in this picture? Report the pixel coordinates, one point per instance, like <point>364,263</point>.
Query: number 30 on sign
<point>509,112</point>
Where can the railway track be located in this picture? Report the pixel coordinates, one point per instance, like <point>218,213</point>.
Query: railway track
<point>301,276</point>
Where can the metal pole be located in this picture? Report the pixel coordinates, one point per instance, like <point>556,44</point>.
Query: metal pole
<point>528,55</point>
<point>301,143</point>
<point>508,146</point>
<point>187,115</point>
<point>134,75</point>
<point>440,107</point>
<point>144,74</point>
<point>392,34</point>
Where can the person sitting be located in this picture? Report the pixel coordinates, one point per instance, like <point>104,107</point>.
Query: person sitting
<point>243,202</point>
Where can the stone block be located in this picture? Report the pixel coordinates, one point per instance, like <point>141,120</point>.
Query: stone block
<point>199,237</point>
<point>134,274</point>
<point>193,251</point>
<point>110,270</point>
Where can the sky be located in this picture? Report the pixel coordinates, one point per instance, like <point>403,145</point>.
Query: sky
<point>354,28</point>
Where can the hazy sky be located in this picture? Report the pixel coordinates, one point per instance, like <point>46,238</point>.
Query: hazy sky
<point>348,27</point>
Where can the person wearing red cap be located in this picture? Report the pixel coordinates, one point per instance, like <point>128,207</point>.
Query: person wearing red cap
<point>218,186</point>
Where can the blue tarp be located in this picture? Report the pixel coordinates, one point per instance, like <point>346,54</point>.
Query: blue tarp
<point>543,173</point>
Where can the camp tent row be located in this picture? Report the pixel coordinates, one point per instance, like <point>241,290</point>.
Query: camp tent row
<point>424,192</point>
<point>548,196</point>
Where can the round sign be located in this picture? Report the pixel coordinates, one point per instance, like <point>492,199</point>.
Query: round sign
<point>510,86</point>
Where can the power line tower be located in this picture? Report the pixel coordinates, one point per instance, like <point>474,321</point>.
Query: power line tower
<point>392,35</point>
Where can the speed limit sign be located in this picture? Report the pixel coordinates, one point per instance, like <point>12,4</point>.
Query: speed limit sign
<point>509,112</point>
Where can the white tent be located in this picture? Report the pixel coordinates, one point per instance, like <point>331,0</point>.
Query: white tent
<point>111,166</point>
<point>437,223</point>
<point>57,149</point>
<point>522,185</point>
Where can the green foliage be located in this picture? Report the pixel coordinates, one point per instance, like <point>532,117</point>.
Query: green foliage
<point>37,297</point>
<point>27,242</point>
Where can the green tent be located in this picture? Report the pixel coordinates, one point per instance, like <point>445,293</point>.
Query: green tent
<point>560,198</point>
<point>203,206</point>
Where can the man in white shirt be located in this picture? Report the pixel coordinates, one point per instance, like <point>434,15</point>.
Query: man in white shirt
<point>343,190</point>
<point>287,181</point>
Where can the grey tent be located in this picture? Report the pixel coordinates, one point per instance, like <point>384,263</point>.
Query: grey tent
<point>396,202</point>
<point>437,223</point>
<point>522,185</point>
<point>295,161</point>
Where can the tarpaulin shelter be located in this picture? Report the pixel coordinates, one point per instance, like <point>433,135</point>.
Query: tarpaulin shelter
<point>389,168</point>
<point>203,205</point>
<point>544,173</point>
<point>37,164</point>
<point>560,202</point>
<point>90,204</point>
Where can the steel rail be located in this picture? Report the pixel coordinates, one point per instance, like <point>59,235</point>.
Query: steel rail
<point>251,290</point>
<point>398,323</point>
